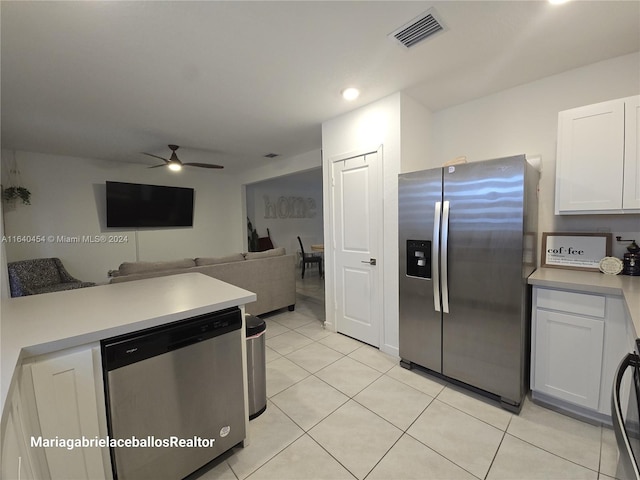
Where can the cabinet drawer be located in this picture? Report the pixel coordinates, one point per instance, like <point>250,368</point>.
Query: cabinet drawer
<point>581,303</point>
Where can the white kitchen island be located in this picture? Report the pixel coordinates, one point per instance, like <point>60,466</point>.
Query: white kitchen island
<point>67,327</point>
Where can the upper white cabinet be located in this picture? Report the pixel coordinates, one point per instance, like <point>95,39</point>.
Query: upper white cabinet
<point>631,187</point>
<point>598,163</point>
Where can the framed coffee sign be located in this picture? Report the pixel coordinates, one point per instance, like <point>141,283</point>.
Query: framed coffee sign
<point>579,251</point>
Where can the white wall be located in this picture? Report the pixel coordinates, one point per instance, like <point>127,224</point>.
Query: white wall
<point>4,278</point>
<point>68,199</point>
<point>415,121</point>
<point>524,119</point>
<point>284,229</point>
<point>273,169</point>
<point>364,130</point>
<point>282,166</point>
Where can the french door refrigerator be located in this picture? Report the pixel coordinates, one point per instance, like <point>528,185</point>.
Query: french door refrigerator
<point>467,238</point>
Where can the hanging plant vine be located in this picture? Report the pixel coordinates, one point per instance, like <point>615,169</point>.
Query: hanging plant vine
<point>10,194</point>
<point>15,191</point>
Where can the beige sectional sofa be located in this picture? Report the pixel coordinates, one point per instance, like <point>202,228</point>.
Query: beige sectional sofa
<point>270,275</point>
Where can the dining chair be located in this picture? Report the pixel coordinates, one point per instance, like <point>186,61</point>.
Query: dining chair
<point>309,259</point>
<point>265,243</point>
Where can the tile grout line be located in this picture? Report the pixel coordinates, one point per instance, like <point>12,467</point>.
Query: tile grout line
<point>279,451</point>
<point>306,431</point>
<point>551,453</point>
<point>329,453</point>
<point>352,397</point>
<point>382,457</point>
<point>433,450</point>
<point>495,455</point>
<point>404,432</point>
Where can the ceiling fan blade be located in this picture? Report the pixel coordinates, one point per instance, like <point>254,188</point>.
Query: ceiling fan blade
<point>155,156</point>
<point>203,165</point>
<point>156,166</point>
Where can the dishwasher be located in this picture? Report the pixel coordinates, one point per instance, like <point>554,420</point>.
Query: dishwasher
<point>175,396</point>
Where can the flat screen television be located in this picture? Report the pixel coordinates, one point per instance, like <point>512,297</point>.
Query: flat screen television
<point>137,205</point>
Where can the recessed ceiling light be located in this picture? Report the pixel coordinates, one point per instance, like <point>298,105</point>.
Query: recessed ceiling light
<point>350,93</point>
<point>557,2</point>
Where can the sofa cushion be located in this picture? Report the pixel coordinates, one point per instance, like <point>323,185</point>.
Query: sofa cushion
<point>274,252</point>
<point>129,268</point>
<point>236,257</point>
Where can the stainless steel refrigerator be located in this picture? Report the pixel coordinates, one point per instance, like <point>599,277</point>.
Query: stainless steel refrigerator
<point>467,238</point>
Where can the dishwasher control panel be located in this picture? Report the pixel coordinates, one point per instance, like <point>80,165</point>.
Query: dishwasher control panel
<point>134,347</point>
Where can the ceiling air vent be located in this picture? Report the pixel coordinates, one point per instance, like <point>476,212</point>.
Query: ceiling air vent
<point>418,29</point>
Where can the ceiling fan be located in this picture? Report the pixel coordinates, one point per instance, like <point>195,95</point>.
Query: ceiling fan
<point>174,162</point>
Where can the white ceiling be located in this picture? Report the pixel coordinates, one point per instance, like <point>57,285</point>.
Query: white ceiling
<point>231,81</point>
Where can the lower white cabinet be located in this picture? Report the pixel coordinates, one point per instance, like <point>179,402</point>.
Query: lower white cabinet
<point>58,397</point>
<point>577,341</point>
<point>67,402</point>
<point>568,361</point>
<point>15,461</point>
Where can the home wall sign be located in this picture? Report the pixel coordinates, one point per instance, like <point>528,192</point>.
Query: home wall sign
<point>578,251</point>
<point>289,207</point>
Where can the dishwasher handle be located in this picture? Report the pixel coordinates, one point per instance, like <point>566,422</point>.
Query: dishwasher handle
<point>628,461</point>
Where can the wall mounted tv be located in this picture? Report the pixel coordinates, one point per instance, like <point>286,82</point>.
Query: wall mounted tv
<point>136,205</point>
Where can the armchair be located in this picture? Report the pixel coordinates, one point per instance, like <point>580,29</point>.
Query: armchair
<point>41,275</point>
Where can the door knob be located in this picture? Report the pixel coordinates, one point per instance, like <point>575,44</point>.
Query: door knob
<point>370,262</point>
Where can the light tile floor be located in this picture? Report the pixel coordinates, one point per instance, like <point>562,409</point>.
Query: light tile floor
<point>340,409</point>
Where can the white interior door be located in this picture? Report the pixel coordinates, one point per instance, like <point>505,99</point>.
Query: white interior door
<point>357,217</point>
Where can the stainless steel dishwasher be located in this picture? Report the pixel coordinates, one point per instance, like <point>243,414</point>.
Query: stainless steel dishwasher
<point>175,397</point>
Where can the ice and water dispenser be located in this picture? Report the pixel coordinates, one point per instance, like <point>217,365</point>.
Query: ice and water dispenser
<point>419,258</point>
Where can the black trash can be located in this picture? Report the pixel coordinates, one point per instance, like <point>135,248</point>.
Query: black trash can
<point>256,365</point>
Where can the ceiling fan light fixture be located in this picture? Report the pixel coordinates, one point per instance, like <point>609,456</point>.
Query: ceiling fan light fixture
<point>174,163</point>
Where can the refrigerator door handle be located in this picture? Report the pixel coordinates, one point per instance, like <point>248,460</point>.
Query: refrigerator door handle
<point>444,256</point>
<point>435,253</point>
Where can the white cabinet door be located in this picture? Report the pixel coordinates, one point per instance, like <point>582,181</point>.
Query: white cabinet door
<point>631,188</point>
<point>590,159</point>
<point>15,461</point>
<point>568,357</point>
<point>66,399</point>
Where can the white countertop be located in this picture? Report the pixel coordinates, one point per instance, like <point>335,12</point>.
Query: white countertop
<point>593,282</point>
<point>39,324</point>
